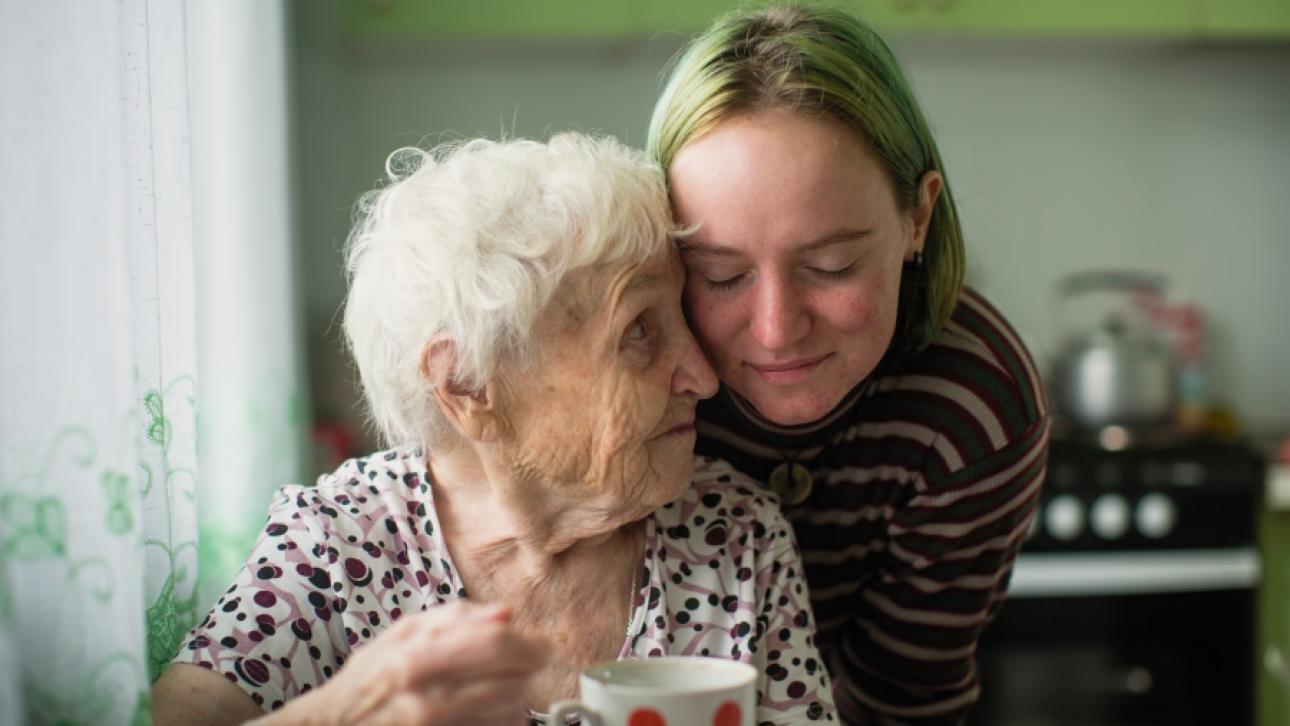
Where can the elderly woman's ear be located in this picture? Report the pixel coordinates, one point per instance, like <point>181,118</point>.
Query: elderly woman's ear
<point>472,411</point>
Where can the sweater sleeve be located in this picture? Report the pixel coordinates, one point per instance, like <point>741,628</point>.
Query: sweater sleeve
<point>276,631</point>
<point>908,655</point>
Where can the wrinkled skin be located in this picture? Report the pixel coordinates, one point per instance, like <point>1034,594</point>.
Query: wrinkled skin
<point>796,262</point>
<point>592,433</point>
<point>617,370</point>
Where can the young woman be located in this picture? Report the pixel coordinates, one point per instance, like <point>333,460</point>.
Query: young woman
<point>895,412</point>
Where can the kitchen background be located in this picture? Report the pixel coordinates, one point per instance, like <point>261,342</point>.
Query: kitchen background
<point>1066,151</point>
<point>1151,138</point>
<point>179,175</point>
<point>1102,138</point>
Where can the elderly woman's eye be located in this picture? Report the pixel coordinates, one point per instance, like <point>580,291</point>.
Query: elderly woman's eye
<point>638,331</point>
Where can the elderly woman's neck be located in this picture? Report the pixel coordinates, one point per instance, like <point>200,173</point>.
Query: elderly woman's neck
<point>487,508</point>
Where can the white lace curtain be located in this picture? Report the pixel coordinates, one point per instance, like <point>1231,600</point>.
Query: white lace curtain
<point>144,277</point>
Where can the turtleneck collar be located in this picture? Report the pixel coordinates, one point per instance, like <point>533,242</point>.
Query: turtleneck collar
<point>730,411</point>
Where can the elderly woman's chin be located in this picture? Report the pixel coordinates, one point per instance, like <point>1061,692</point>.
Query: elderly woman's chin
<point>661,475</point>
<point>674,458</point>
<point>677,458</point>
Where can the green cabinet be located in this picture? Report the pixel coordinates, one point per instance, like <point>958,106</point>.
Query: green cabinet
<point>1010,17</point>
<point>1274,618</point>
<point>1256,18</point>
<point>997,17</point>
<point>546,20</point>
<point>431,20</point>
<point>664,16</point>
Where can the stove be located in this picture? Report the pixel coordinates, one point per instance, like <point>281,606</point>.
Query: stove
<point>1200,495</point>
<point>1144,519</point>
<point>1133,600</point>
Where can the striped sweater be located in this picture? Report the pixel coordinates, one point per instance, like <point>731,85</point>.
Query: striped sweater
<point>923,483</point>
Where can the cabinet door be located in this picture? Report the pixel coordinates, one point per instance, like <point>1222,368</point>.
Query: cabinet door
<point>1035,17</point>
<point>1136,17</point>
<point>429,20</point>
<point>679,16</point>
<point>1246,17</point>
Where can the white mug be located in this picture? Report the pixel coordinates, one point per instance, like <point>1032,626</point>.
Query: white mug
<point>669,691</point>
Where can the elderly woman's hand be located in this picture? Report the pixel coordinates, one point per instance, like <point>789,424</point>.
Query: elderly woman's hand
<point>457,664</point>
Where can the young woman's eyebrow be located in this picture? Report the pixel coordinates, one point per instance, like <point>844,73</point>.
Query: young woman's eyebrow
<point>693,246</point>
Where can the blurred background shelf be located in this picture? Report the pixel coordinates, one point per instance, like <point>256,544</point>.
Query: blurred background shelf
<point>421,21</point>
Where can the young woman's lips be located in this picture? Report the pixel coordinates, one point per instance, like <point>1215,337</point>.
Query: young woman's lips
<point>788,372</point>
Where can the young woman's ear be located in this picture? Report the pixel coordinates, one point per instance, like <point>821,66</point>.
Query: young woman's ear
<point>929,190</point>
<point>471,410</point>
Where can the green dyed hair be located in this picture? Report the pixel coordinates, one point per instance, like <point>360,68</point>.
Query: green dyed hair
<point>822,60</point>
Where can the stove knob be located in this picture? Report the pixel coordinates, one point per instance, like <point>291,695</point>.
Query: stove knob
<point>1156,516</point>
<point>1065,517</point>
<point>1109,516</point>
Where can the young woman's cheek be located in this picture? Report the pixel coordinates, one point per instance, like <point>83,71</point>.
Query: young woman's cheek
<point>856,307</point>
<point>697,305</point>
<point>712,320</point>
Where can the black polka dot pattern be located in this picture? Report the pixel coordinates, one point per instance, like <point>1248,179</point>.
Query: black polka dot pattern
<point>338,563</point>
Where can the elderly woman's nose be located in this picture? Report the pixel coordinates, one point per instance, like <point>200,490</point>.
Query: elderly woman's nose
<point>693,375</point>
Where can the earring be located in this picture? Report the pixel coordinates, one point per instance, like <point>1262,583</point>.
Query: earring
<point>916,260</point>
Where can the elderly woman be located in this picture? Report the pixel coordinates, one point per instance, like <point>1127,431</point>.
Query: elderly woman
<point>514,311</point>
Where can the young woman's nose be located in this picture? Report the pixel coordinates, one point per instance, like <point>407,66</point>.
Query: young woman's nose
<point>693,375</point>
<point>779,319</point>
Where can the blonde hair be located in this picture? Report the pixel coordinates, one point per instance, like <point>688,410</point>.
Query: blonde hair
<point>822,61</point>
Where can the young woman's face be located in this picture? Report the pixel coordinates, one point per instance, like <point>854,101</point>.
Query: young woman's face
<point>794,267</point>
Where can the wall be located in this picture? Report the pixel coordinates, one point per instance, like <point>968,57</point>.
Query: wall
<point>1169,157</point>
<point>1063,155</point>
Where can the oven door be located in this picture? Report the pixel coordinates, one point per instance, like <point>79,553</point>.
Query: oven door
<point>1145,639</point>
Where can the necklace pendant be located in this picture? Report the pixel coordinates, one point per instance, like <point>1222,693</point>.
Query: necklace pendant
<point>792,482</point>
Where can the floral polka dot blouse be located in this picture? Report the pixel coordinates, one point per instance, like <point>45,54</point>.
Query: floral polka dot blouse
<point>339,562</point>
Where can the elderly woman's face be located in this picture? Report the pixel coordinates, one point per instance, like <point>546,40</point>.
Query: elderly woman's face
<point>607,410</point>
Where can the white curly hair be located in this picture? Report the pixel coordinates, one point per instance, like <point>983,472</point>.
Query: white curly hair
<point>469,242</point>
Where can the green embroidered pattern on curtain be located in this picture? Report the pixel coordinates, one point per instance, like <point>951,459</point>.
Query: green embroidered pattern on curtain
<point>103,564</point>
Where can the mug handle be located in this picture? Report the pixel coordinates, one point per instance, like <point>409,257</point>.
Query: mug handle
<point>561,710</point>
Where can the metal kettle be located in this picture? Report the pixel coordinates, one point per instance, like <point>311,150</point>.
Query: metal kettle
<point>1120,371</point>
